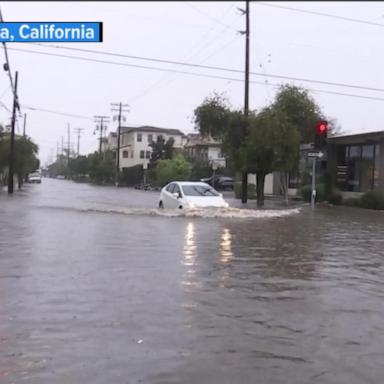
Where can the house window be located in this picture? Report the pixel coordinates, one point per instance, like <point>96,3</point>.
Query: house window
<point>141,154</point>
<point>150,138</point>
<point>132,155</point>
<point>139,137</point>
<point>125,154</point>
<point>148,154</point>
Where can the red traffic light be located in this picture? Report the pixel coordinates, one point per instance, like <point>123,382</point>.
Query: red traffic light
<point>321,127</point>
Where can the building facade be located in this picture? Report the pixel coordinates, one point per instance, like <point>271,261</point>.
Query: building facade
<point>200,148</point>
<point>356,162</point>
<point>135,143</point>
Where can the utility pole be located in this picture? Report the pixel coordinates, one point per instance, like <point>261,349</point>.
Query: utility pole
<point>25,123</point>
<point>78,131</point>
<point>119,117</point>
<point>12,146</point>
<point>100,120</point>
<point>69,143</point>
<point>244,175</point>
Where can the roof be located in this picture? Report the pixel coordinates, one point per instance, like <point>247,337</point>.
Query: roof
<point>359,138</point>
<point>194,139</point>
<point>148,128</point>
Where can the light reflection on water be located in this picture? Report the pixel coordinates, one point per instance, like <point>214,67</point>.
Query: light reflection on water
<point>226,254</point>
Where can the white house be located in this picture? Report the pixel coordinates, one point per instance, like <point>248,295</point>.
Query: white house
<point>135,141</point>
<point>204,148</point>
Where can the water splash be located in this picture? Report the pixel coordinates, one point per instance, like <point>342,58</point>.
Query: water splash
<point>235,213</point>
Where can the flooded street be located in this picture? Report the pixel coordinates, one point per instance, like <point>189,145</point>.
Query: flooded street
<point>98,286</point>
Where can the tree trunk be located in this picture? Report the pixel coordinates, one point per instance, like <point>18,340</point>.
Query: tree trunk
<point>244,187</point>
<point>260,179</point>
<point>283,179</point>
<point>19,181</point>
<point>286,187</point>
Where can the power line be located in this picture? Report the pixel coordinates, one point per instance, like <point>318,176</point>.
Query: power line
<point>201,66</point>
<point>209,16</point>
<point>5,91</point>
<point>147,90</point>
<point>4,106</point>
<point>320,14</point>
<point>188,57</point>
<point>199,75</point>
<point>56,112</point>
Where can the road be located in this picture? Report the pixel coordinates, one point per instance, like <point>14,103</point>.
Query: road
<point>97,286</point>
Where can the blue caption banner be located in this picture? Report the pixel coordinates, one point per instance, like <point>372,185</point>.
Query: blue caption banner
<point>58,32</point>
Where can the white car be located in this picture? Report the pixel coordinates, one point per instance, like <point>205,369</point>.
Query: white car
<point>190,194</point>
<point>34,177</point>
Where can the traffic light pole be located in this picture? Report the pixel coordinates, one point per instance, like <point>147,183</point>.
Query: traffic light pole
<point>313,192</point>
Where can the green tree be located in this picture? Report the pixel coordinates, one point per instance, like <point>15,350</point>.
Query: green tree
<point>264,142</point>
<point>287,149</point>
<point>101,167</point>
<point>79,166</point>
<point>235,138</point>
<point>59,167</point>
<point>273,145</point>
<point>211,118</point>
<point>301,109</point>
<point>161,150</point>
<point>172,169</point>
<point>26,160</point>
<point>215,118</point>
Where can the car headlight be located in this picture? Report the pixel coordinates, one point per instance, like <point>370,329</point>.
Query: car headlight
<point>226,205</point>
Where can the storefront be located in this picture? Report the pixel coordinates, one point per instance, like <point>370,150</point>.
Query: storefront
<point>356,162</point>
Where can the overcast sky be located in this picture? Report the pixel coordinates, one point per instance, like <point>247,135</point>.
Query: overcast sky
<point>283,42</point>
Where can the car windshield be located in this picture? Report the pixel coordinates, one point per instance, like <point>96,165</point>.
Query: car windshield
<point>198,190</point>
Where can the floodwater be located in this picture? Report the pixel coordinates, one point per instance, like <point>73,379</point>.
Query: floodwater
<point>98,286</point>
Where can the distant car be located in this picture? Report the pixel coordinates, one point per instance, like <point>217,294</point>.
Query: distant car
<point>190,194</point>
<point>220,182</point>
<point>34,177</point>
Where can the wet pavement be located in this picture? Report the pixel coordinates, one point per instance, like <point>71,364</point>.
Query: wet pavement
<point>97,286</point>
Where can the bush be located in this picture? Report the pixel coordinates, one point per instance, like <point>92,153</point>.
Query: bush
<point>352,202</point>
<point>251,191</point>
<point>372,200</point>
<point>171,170</point>
<point>306,193</point>
<point>335,198</point>
<point>200,170</point>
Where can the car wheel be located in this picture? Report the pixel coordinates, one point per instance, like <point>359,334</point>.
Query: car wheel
<point>161,205</point>
<point>180,207</point>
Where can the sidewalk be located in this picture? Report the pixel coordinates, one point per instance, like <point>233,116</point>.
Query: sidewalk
<point>270,202</point>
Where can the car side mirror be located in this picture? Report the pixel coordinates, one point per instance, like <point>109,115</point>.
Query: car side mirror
<point>220,194</point>
<point>176,195</point>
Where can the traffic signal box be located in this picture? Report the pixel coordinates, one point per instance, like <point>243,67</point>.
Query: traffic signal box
<point>321,131</point>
